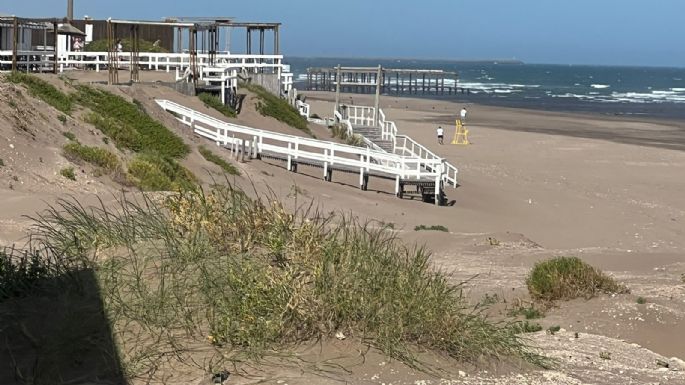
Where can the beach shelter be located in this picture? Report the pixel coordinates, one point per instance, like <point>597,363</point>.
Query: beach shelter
<point>66,32</point>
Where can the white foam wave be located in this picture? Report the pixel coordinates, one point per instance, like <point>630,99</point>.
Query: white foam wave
<point>653,97</point>
<point>525,85</point>
<point>498,88</point>
<point>599,86</point>
<point>678,89</point>
<point>628,97</point>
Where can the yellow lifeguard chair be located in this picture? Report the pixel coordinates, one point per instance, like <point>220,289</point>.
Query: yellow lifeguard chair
<point>461,134</point>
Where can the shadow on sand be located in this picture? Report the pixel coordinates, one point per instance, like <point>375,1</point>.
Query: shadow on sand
<point>58,333</point>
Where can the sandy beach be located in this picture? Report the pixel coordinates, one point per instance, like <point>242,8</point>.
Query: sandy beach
<point>546,184</point>
<point>543,184</point>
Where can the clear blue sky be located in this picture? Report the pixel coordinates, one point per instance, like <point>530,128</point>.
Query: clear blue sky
<point>624,32</point>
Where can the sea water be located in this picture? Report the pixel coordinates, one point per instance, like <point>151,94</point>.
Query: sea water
<point>612,90</point>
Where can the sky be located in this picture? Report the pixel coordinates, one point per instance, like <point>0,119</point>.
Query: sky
<point>605,32</point>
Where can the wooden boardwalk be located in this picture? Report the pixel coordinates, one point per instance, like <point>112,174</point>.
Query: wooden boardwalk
<point>427,175</point>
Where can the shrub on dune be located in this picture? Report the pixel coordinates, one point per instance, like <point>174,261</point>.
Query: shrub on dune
<point>564,278</point>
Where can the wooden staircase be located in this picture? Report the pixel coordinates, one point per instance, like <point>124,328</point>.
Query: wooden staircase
<point>374,134</point>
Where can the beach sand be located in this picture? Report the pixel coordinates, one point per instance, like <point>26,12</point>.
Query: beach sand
<point>606,189</point>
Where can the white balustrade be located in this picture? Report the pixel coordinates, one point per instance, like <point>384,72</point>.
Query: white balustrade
<point>402,144</point>
<point>295,147</point>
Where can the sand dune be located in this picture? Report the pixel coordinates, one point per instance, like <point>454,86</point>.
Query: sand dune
<point>609,190</point>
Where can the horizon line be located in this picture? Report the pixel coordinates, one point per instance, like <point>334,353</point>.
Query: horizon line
<point>509,61</point>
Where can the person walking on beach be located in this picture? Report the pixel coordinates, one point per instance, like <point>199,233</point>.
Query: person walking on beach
<point>440,134</point>
<point>463,116</point>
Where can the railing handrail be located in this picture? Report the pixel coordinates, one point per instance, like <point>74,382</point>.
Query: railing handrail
<point>303,108</point>
<point>402,163</point>
<point>389,132</point>
<point>450,170</point>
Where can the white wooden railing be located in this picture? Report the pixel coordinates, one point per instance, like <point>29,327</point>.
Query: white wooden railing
<point>407,146</point>
<point>303,108</point>
<point>360,115</point>
<point>292,147</point>
<point>152,60</point>
<point>388,128</point>
<point>157,61</point>
<point>402,144</point>
<point>168,61</point>
<point>28,59</point>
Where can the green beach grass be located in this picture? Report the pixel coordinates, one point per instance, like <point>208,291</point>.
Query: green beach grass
<point>99,157</point>
<point>277,108</point>
<point>219,161</point>
<point>128,125</point>
<point>565,278</point>
<point>241,278</point>
<point>44,91</point>
<point>214,102</point>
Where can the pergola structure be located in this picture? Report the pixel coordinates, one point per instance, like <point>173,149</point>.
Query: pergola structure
<point>372,77</point>
<point>202,34</point>
<point>18,24</point>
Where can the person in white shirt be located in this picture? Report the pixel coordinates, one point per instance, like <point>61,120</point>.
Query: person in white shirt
<point>463,115</point>
<point>440,134</point>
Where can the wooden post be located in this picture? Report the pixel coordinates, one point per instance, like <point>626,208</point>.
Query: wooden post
<point>277,41</point>
<point>376,114</point>
<point>290,157</point>
<point>242,152</point>
<point>45,44</point>
<point>255,151</point>
<point>361,173</point>
<point>337,89</point>
<point>249,41</point>
<point>15,43</point>
<point>55,59</point>
<point>410,85</point>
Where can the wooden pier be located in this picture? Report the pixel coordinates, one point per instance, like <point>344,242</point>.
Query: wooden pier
<point>362,80</point>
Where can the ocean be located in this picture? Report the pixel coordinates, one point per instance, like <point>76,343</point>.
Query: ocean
<point>611,90</point>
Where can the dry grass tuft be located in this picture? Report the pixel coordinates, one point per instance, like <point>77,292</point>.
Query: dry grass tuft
<point>241,277</point>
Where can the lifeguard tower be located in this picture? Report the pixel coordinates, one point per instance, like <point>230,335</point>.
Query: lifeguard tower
<point>461,134</point>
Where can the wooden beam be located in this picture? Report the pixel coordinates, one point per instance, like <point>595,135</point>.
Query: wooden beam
<point>15,39</point>
<point>378,95</point>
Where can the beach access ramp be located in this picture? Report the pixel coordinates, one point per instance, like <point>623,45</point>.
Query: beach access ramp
<point>411,174</point>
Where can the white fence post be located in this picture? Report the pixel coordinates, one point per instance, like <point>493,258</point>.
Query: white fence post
<point>438,179</point>
<point>361,170</point>
<point>413,163</point>
<point>290,157</point>
<point>325,164</point>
